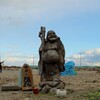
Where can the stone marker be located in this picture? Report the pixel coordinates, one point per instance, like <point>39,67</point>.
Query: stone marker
<point>27,78</point>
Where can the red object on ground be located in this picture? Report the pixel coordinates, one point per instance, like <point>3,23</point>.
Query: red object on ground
<point>35,90</point>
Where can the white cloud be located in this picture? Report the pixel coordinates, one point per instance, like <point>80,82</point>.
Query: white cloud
<point>89,52</point>
<point>17,11</point>
<point>18,59</point>
<point>11,58</point>
<point>75,56</point>
<point>87,58</point>
<point>97,51</point>
<point>97,64</point>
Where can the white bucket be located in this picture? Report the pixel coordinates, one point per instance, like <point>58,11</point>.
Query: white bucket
<point>61,92</point>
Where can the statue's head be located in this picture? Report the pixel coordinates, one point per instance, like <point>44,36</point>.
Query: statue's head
<point>51,35</point>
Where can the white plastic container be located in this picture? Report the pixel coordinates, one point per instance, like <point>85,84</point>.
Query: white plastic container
<point>61,92</point>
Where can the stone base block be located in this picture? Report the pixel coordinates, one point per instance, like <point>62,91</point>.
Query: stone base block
<point>10,88</point>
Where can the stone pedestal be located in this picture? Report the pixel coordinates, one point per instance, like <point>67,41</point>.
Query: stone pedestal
<point>51,86</point>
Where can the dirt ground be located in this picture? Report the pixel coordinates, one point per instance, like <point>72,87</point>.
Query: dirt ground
<point>76,86</point>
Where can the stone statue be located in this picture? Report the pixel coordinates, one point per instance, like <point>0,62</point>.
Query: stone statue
<point>51,53</point>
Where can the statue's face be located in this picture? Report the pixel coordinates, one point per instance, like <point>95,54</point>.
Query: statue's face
<point>51,35</point>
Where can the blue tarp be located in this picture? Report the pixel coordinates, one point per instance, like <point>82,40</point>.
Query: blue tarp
<point>69,69</point>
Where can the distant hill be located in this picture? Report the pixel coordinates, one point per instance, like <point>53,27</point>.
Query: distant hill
<point>88,66</point>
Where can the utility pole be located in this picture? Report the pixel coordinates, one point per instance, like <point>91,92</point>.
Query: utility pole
<point>33,60</point>
<point>80,59</point>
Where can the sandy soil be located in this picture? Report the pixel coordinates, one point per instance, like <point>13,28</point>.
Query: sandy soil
<point>82,83</point>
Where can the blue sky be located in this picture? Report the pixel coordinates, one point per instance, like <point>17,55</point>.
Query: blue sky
<point>76,22</point>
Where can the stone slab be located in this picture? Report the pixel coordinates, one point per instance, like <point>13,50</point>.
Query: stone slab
<point>10,88</point>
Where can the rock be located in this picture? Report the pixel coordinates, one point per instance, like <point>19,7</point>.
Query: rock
<point>61,85</point>
<point>52,83</point>
<point>52,86</point>
<point>46,89</point>
<point>53,90</point>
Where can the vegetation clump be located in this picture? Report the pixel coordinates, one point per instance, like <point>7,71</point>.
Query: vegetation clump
<point>93,96</point>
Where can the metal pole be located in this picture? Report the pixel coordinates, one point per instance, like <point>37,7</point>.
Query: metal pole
<point>80,59</point>
<point>33,60</point>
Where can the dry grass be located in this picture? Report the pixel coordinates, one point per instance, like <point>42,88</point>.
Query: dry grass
<point>82,83</point>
